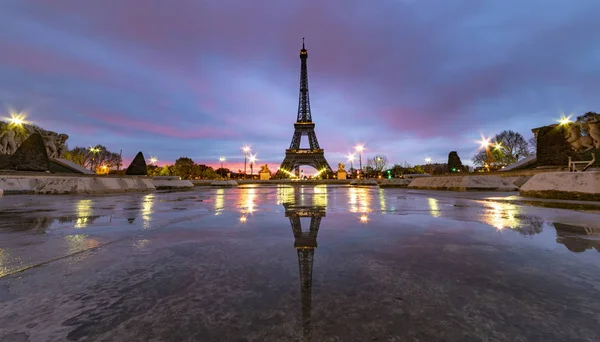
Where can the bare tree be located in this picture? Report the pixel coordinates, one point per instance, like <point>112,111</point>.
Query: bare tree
<point>507,147</point>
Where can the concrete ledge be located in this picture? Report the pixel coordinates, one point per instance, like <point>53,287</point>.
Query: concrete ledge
<point>564,185</point>
<point>464,183</point>
<point>1,192</point>
<point>394,183</point>
<point>364,182</point>
<point>171,183</point>
<point>518,180</point>
<point>224,183</point>
<point>166,178</point>
<point>73,185</point>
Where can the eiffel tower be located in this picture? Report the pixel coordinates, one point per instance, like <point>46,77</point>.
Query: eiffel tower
<point>305,244</point>
<point>314,155</point>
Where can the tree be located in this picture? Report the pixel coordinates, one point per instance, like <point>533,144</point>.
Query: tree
<point>507,147</point>
<point>94,157</point>
<point>167,170</point>
<point>223,171</point>
<point>532,145</point>
<point>153,170</point>
<point>184,167</point>
<point>454,163</point>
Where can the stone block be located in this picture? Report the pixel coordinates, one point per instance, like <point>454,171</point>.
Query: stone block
<point>161,184</point>
<point>138,166</point>
<point>341,175</point>
<point>463,183</point>
<point>264,175</point>
<point>31,155</point>
<point>224,183</point>
<point>73,184</point>
<point>564,185</point>
<point>62,165</point>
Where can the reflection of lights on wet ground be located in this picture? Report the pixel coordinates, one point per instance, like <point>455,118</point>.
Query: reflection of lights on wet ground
<point>80,242</point>
<point>3,262</point>
<point>83,209</point>
<point>243,218</point>
<point>141,243</point>
<point>320,196</point>
<point>434,209</point>
<point>364,218</point>
<point>246,200</point>
<point>359,200</point>
<point>381,200</point>
<point>501,215</point>
<point>285,194</point>
<point>219,201</point>
<point>147,205</point>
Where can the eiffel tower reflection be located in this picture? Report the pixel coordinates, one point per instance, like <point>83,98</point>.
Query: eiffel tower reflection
<point>305,243</point>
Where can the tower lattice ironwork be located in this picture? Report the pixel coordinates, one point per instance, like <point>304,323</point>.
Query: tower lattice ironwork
<point>305,243</point>
<point>314,155</point>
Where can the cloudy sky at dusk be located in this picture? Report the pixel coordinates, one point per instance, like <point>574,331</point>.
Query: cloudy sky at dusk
<point>200,78</point>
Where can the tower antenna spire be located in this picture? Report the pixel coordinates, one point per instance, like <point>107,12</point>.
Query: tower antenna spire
<point>302,43</point>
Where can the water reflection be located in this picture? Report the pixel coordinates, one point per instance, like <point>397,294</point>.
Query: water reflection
<point>83,210</point>
<point>147,204</point>
<point>434,209</point>
<point>359,201</point>
<point>305,242</point>
<point>18,223</point>
<point>577,239</point>
<point>219,201</point>
<point>80,242</point>
<point>246,202</point>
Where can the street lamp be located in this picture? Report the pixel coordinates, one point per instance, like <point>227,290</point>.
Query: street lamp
<point>153,160</point>
<point>428,160</point>
<point>246,150</point>
<point>565,120</point>
<point>359,149</point>
<point>351,159</point>
<point>94,151</point>
<point>221,159</point>
<point>485,143</point>
<point>17,119</point>
<point>252,160</point>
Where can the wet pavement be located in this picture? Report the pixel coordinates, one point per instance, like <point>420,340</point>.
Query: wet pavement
<point>305,263</point>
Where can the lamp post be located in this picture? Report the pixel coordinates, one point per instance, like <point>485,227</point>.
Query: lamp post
<point>94,150</point>
<point>153,161</point>
<point>359,149</point>
<point>351,159</point>
<point>485,143</point>
<point>221,159</point>
<point>252,159</point>
<point>246,150</point>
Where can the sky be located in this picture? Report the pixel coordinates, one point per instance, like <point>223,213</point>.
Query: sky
<point>409,79</point>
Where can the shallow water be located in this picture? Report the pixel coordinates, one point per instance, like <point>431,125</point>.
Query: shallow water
<point>321,263</point>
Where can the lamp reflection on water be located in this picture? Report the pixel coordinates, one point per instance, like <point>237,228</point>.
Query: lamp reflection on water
<point>320,196</point>
<point>434,209</point>
<point>84,211</point>
<point>219,201</point>
<point>359,200</point>
<point>147,204</point>
<point>246,202</point>
<point>382,200</point>
<point>501,215</point>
